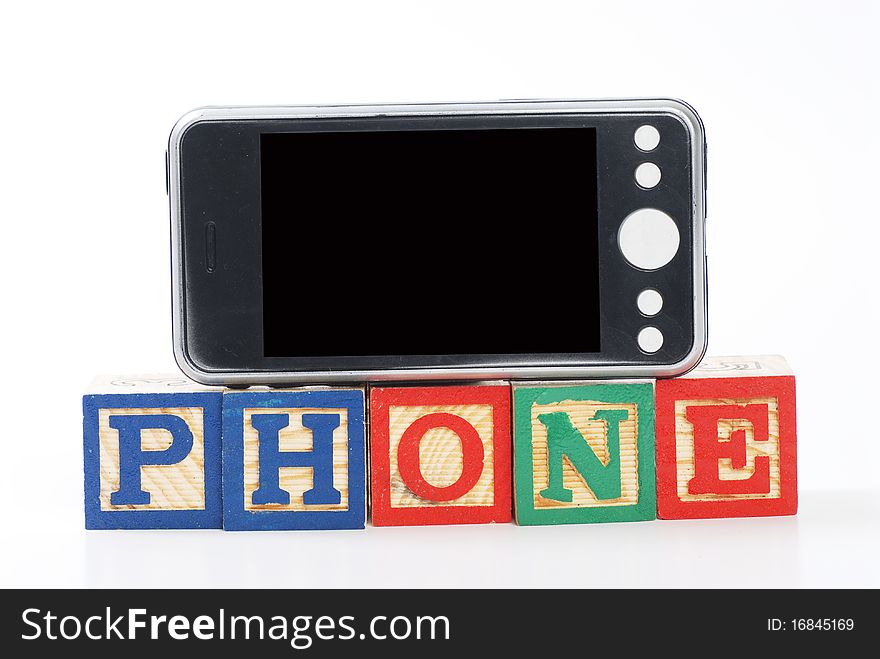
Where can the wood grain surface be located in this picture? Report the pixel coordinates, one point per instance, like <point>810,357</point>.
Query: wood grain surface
<point>178,486</point>
<point>580,412</point>
<point>295,480</point>
<point>440,454</point>
<point>684,448</point>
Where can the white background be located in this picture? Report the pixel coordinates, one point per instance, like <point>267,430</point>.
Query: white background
<point>789,96</point>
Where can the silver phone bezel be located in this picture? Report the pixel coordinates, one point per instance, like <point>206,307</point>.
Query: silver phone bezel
<point>684,112</point>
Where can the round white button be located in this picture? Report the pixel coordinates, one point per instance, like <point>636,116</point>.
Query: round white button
<point>650,339</point>
<point>646,138</point>
<point>647,175</point>
<point>650,302</point>
<point>648,238</point>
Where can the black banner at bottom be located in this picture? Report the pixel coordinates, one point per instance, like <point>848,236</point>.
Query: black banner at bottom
<point>430,623</point>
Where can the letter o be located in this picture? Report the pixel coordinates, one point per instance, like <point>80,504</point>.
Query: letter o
<point>408,463</point>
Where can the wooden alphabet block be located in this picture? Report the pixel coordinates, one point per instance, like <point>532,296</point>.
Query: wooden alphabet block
<point>151,449</point>
<point>726,440</point>
<point>294,459</point>
<point>583,452</point>
<point>440,455</point>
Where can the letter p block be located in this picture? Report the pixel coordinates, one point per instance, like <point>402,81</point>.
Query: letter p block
<point>152,454</point>
<point>583,453</point>
<point>294,459</point>
<point>440,455</point>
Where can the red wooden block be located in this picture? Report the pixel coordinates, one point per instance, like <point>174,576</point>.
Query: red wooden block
<point>726,440</point>
<point>440,455</point>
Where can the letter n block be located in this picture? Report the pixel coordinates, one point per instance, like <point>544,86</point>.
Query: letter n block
<point>583,452</point>
<point>294,459</point>
<point>440,455</point>
<point>151,449</point>
<point>726,442</point>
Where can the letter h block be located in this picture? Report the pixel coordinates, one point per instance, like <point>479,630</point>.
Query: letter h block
<point>440,455</point>
<point>294,459</point>
<point>726,440</point>
<point>151,449</point>
<point>583,452</point>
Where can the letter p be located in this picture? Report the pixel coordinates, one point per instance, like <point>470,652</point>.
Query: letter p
<point>132,457</point>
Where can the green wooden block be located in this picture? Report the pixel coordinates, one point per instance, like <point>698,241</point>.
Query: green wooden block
<point>583,452</point>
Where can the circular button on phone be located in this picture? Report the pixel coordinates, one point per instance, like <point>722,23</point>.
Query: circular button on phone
<point>650,339</point>
<point>648,238</point>
<point>647,175</point>
<point>649,302</point>
<point>646,138</point>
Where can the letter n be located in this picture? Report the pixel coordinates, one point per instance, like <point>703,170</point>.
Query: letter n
<point>564,441</point>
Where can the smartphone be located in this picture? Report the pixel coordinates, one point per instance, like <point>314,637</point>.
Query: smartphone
<point>521,239</point>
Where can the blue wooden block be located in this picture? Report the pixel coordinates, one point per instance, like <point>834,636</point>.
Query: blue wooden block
<point>294,459</point>
<point>152,454</point>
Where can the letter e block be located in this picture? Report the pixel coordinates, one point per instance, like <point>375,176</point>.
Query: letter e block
<point>726,440</point>
<point>583,452</point>
<point>440,455</point>
<point>151,449</point>
<point>294,459</point>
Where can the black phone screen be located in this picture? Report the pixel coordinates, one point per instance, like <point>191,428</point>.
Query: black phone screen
<point>430,242</point>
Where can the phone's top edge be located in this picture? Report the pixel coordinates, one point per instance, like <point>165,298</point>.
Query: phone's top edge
<point>245,112</point>
<point>439,104</point>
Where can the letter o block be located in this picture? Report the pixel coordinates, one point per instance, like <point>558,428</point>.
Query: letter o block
<point>440,455</point>
<point>726,440</point>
